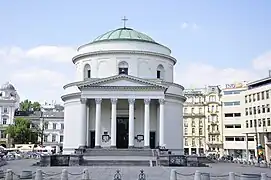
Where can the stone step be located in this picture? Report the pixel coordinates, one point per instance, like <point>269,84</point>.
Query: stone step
<point>117,152</point>
<point>118,163</point>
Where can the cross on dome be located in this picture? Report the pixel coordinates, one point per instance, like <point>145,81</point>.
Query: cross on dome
<point>124,19</point>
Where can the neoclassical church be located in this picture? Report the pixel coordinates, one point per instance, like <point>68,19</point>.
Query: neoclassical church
<point>124,96</point>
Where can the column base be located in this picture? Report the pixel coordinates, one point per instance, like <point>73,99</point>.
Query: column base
<point>98,147</point>
<point>147,147</point>
<point>113,147</point>
<point>131,147</point>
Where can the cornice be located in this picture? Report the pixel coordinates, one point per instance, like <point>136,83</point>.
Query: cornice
<point>125,88</point>
<point>71,96</point>
<point>96,53</point>
<point>175,96</point>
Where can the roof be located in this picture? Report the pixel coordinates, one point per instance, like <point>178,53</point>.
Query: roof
<point>7,86</point>
<point>123,33</point>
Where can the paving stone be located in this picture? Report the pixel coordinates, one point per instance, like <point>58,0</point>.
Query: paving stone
<point>131,173</point>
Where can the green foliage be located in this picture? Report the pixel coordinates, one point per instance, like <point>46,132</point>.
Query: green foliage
<point>27,105</point>
<point>21,131</point>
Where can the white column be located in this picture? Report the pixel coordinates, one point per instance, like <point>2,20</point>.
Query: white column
<point>131,122</point>
<point>98,123</point>
<point>147,123</point>
<point>161,127</point>
<point>87,138</point>
<point>83,122</point>
<point>247,152</point>
<point>113,121</point>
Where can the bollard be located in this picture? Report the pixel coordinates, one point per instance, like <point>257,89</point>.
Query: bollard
<point>64,174</point>
<point>205,176</point>
<point>263,176</point>
<point>38,175</point>
<point>197,175</point>
<point>173,174</point>
<point>231,176</point>
<point>85,175</point>
<point>9,175</point>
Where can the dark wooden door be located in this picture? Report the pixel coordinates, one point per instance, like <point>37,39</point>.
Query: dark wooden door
<point>122,132</point>
<point>92,139</point>
<point>152,139</point>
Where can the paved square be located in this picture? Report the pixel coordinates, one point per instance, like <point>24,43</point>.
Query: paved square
<point>131,173</point>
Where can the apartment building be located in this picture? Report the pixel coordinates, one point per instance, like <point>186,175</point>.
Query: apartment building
<point>202,121</point>
<point>9,102</point>
<point>234,138</point>
<point>256,109</point>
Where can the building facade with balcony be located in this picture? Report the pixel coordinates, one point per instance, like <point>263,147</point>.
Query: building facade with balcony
<point>202,121</point>
<point>9,102</point>
<point>257,116</point>
<point>234,139</point>
<point>52,123</point>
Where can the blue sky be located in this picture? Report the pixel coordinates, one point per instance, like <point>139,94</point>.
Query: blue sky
<point>225,35</point>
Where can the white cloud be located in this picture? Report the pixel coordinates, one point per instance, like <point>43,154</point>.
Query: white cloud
<point>263,62</point>
<point>184,25</point>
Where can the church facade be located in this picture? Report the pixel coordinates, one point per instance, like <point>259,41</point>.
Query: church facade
<point>124,96</point>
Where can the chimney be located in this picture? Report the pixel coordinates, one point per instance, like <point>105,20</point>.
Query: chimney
<point>269,73</point>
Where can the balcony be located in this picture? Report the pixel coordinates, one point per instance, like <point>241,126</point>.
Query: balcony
<point>214,142</point>
<point>213,102</point>
<point>213,132</point>
<point>214,122</point>
<point>194,115</point>
<point>213,113</point>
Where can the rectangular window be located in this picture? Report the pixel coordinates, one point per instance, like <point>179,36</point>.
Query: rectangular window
<point>250,124</point>
<point>54,125</point>
<point>267,108</point>
<point>237,114</point>
<point>263,108</point>
<point>4,121</point>
<point>268,122</point>
<point>239,139</point>
<point>237,126</point>
<point>263,95</point>
<point>61,138</point>
<point>267,94</point>
<point>62,126</point>
<point>234,103</point>
<point>200,131</point>
<point>264,123</point>
<point>229,138</point>
<point>123,71</point>
<point>258,96</point>
<point>186,142</point>
<point>229,126</point>
<point>45,138</point>
<point>249,98</point>
<point>254,110</point>
<point>245,99</point>
<point>250,138</point>
<point>246,123</point>
<point>193,130</point>
<point>46,126</point>
<point>246,111</point>
<point>158,74</point>
<point>53,138</point>
<point>5,110</point>
<point>259,109</point>
<point>228,114</point>
<point>232,92</point>
<point>250,111</point>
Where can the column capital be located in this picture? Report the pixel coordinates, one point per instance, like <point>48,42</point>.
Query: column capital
<point>162,101</point>
<point>147,101</point>
<point>98,100</point>
<point>114,100</point>
<point>131,101</point>
<point>83,100</point>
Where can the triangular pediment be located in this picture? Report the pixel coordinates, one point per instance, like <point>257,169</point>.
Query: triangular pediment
<point>121,81</point>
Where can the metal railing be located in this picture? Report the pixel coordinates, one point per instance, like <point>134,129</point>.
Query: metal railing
<point>174,175</point>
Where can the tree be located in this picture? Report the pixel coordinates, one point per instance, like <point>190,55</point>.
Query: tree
<point>21,131</point>
<point>27,105</point>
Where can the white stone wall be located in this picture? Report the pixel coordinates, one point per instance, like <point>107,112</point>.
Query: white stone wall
<point>140,65</point>
<point>72,121</point>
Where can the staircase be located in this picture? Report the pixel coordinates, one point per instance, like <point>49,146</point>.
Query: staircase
<point>119,157</point>
<point>118,152</point>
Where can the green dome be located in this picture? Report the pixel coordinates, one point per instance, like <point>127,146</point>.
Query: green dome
<point>124,34</point>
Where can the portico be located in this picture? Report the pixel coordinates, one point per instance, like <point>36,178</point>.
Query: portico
<point>102,134</point>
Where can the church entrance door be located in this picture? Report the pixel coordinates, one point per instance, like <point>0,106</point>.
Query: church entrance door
<point>122,132</point>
